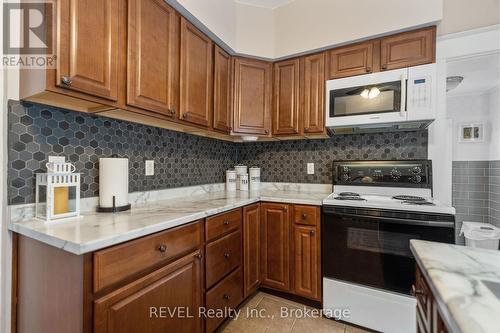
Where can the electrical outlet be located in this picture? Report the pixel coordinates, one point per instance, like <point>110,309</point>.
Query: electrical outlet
<point>310,168</point>
<point>150,167</point>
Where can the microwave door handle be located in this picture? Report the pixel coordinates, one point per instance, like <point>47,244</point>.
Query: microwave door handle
<point>404,83</point>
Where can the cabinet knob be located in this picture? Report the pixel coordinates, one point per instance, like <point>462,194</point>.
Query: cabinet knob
<point>230,128</point>
<point>285,209</point>
<point>368,69</point>
<point>199,256</point>
<point>266,131</point>
<point>384,66</point>
<point>162,248</point>
<point>306,129</point>
<point>172,111</point>
<point>226,297</point>
<point>66,80</point>
<point>185,115</point>
<point>226,222</point>
<point>304,216</point>
<point>226,255</point>
<point>415,291</point>
<point>312,232</point>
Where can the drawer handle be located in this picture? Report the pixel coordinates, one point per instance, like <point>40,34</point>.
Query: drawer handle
<point>162,248</point>
<point>304,216</point>
<point>416,292</point>
<point>226,297</point>
<point>226,255</point>
<point>226,222</point>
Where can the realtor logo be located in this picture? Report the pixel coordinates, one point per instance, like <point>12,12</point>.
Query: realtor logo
<point>28,34</point>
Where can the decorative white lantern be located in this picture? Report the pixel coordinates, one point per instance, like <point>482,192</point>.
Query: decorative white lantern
<point>57,192</point>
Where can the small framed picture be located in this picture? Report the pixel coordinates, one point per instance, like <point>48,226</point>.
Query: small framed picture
<point>470,132</point>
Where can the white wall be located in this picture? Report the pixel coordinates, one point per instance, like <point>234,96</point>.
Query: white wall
<point>303,25</point>
<point>462,15</point>
<point>494,108</point>
<point>470,109</point>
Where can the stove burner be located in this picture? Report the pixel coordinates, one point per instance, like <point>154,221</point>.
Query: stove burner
<point>420,203</point>
<point>345,197</point>
<point>348,194</point>
<point>409,198</point>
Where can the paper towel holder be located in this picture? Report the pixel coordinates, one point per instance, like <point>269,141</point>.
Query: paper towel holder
<point>113,209</point>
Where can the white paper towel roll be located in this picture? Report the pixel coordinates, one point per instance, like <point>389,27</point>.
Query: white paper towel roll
<point>113,181</point>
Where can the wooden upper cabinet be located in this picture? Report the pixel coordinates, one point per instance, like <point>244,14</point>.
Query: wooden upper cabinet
<point>351,60</point>
<point>313,93</point>
<point>251,249</point>
<point>252,96</point>
<point>286,97</point>
<point>307,264</point>
<point>222,90</point>
<point>408,49</point>
<point>127,309</point>
<point>275,247</point>
<point>153,56</point>
<point>88,47</point>
<point>195,76</point>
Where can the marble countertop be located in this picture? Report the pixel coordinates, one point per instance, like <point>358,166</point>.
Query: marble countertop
<point>455,274</point>
<point>94,231</point>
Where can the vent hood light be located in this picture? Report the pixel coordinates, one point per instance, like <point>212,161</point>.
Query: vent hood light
<point>453,81</point>
<point>248,138</point>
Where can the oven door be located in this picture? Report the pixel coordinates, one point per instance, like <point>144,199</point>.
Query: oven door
<point>367,99</point>
<point>375,251</point>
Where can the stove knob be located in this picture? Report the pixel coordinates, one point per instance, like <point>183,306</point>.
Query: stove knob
<point>416,170</point>
<point>345,177</point>
<point>345,169</point>
<point>395,174</point>
<point>416,179</point>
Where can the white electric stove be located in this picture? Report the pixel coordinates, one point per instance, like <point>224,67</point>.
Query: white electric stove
<point>368,221</point>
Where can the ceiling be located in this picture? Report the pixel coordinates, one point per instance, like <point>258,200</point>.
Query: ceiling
<point>264,3</point>
<point>480,73</point>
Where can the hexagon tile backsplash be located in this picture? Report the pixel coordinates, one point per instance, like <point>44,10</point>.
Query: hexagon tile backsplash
<point>37,131</point>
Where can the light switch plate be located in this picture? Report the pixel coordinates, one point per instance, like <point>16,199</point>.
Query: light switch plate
<point>150,167</point>
<point>57,159</point>
<point>310,168</point>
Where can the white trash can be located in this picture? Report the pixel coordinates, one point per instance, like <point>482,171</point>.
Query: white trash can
<point>480,235</point>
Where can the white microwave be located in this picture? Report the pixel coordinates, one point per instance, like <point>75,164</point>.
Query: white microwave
<point>400,99</point>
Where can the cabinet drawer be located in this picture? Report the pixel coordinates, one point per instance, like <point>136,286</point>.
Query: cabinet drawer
<point>226,294</point>
<point>223,255</point>
<point>116,263</point>
<point>222,224</point>
<point>308,215</point>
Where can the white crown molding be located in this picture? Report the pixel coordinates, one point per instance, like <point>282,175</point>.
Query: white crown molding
<point>268,4</point>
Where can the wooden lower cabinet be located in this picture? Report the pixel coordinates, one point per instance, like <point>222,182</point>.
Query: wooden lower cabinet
<point>136,306</point>
<point>251,249</point>
<point>275,238</point>
<point>429,319</point>
<point>307,266</point>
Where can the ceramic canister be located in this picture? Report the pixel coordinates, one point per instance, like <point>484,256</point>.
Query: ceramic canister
<point>254,175</point>
<point>243,181</point>
<point>231,180</point>
<point>240,169</point>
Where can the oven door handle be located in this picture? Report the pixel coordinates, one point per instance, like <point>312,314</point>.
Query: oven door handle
<point>399,221</point>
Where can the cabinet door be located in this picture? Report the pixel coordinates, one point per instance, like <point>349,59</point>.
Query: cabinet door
<point>252,96</point>
<point>408,49</point>
<point>350,60</point>
<point>313,93</point>
<point>275,237</point>
<point>222,90</point>
<point>88,47</point>
<point>307,266</point>
<point>196,76</point>
<point>251,249</point>
<point>152,56</point>
<point>286,97</point>
<point>136,306</point>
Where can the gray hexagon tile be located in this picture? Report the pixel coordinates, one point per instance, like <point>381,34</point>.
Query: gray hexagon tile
<point>37,131</point>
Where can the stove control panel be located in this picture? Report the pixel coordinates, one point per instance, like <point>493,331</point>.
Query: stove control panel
<point>416,174</point>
